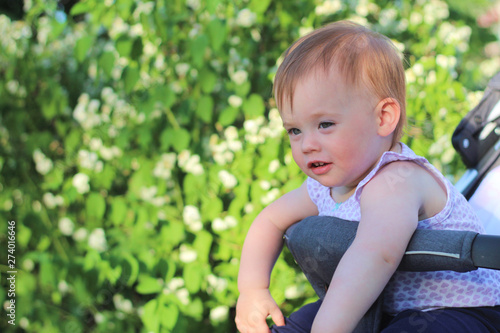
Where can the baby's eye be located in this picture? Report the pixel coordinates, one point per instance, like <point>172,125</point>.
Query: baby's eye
<point>293,131</point>
<point>326,124</point>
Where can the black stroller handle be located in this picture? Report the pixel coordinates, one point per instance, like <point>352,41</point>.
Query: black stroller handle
<point>317,244</point>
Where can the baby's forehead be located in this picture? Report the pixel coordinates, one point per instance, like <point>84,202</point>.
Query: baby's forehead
<point>334,77</point>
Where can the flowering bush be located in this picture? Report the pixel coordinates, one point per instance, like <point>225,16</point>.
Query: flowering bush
<point>139,139</point>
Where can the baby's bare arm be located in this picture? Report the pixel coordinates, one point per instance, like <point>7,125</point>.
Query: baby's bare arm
<point>262,246</point>
<point>389,216</point>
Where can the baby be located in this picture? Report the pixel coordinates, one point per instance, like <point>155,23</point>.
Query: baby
<point>341,95</point>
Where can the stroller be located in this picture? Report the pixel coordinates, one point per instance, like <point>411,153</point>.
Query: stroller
<point>477,140</point>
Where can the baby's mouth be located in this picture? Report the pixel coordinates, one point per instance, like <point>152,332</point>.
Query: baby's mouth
<point>317,164</point>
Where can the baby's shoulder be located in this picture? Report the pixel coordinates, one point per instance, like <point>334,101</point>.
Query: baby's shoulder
<point>403,173</point>
<point>415,180</point>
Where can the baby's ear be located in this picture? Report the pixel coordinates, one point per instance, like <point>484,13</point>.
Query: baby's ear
<point>388,113</point>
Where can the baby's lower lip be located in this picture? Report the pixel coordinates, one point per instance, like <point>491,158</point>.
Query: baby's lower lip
<point>319,170</point>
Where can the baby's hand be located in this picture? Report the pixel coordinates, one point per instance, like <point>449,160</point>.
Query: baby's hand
<point>252,309</point>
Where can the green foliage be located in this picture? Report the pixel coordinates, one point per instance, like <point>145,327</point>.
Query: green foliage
<point>138,140</point>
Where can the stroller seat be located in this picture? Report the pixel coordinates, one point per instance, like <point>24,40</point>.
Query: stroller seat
<point>485,202</point>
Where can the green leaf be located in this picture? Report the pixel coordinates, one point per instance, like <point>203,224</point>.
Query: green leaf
<point>136,50</point>
<point>72,142</point>
<point>124,46</point>
<point>211,207</point>
<point>169,315</point>
<point>54,179</point>
<point>212,5</point>
<point>130,76</point>
<point>82,47</point>
<point>198,47</point>
<point>95,205</point>
<point>202,245</point>
<point>228,116</point>
<point>130,269</point>
<point>173,233</point>
<point>195,309</point>
<point>253,106</point>
<point>207,81</point>
<point>192,275</point>
<point>165,95</point>
<point>259,6</point>
<point>47,273</point>
<point>205,108</point>
<point>177,138</point>
<point>80,7</point>
<point>118,210</point>
<point>217,32</point>
<point>148,285</point>
<point>107,63</point>
<point>150,316</point>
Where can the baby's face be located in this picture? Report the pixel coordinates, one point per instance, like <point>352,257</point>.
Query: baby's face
<point>333,130</point>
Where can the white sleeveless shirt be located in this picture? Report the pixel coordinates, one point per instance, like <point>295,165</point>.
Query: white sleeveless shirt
<point>422,290</point>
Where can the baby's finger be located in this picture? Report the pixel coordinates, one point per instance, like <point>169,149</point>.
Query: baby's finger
<point>277,316</point>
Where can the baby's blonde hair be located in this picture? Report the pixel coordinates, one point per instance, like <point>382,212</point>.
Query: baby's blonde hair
<point>363,57</point>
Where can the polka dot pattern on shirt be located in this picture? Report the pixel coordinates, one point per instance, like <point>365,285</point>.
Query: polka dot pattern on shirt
<point>422,290</point>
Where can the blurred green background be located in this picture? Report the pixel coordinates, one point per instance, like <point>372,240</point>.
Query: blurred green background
<point>139,139</point>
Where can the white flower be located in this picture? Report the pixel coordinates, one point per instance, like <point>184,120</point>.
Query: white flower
<point>194,4</point>
<point>108,95</point>
<point>235,101</point>
<point>416,18</point>
<point>239,77</point>
<point>175,284</point>
<point>217,283</point>
<point>249,208</point>
<point>99,318</point>
<point>148,193</point>
<point>234,145</point>
<point>246,18</point>
<point>292,292</point>
<point>231,133</point>
<point>181,69</point>
<point>329,7</point>
<point>255,35</point>
<point>95,144</point>
<point>66,226</point>
<point>43,163</point>
<point>418,69</point>
<point>183,296</point>
<point>187,254</point>
<point>28,265</point>
<point>305,30</point>
<point>190,163</point>
<point>265,185</point>
<point>122,303</point>
<point>228,222</point>
<point>192,218</point>
<point>80,235</point>
<point>24,323</point>
<point>51,201</point>
<point>136,30</point>
<point>97,240</point>
<point>228,180</point>
<point>163,168</point>
<point>87,159</point>
<point>109,153</point>
<point>219,313</point>
<point>86,112</point>
<point>81,183</point>
<point>63,287</point>
<point>270,196</point>
<point>274,166</point>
